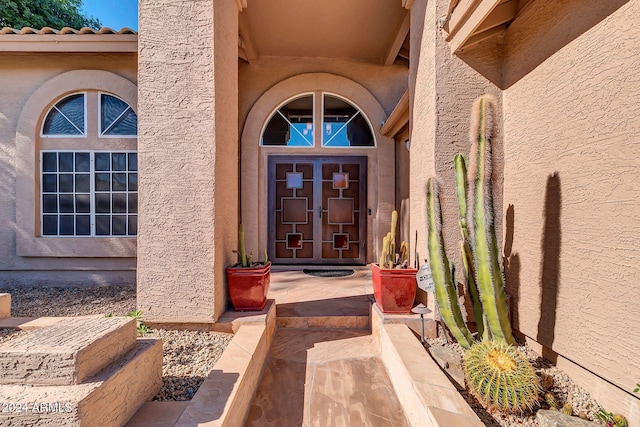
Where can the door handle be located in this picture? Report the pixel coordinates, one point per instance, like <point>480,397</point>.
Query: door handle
<point>320,211</point>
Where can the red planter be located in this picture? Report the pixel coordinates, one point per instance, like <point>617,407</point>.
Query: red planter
<point>394,289</point>
<point>248,286</point>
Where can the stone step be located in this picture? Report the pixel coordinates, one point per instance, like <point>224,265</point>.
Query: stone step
<point>158,414</point>
<point>108,399</point>
<point>32,323</point>
<point>68,352</point>
<point>5,305</point>
<point>323,322</point>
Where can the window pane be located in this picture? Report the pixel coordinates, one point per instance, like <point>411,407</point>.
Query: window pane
<point>66,118</point>
<point>49,162</point>
<point>103,161</point>
<point>66,183</point>
<point>103,203</point>
<point>119,161</point>
<point>343,125</point>
<point>66,203</point>
<point>103,223</point>
<point>83,225</point>
<point>66,225</point>
<point>291,125</point>
<point>49,183</point>
<point>133,161</point>
<point>83,203</point>
<point>119,203</point>
<point>133,182</point>
<point>82,162</point>
<point>133,203</point>
<point>110,109</point>
<point>119,182</point>
<point>50,203</point>
<point>50,225</point>
<point>103,182</point>
<point>73,108</point>
<point>133,225</point>
<point>119,225</point>
<point>65,162</point>
<point>127,124</point>
<point>83,184</point>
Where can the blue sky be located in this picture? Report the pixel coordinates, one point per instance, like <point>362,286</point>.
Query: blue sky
<point>114,14</point>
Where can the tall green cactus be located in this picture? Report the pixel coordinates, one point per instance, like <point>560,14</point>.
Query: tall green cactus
<point>241,248</point>
<point>465,249</point>
<point>445,292</point>
<point>489,276</point>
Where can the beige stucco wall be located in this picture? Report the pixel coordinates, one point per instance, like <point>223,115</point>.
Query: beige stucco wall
<point>188,156</point>
<point>22,76</point>
<point>442,90</point>
<point>572,167</point>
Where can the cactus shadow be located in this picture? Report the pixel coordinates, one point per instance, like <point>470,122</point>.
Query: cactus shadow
<point>511,263</point>
<point>550,268</point>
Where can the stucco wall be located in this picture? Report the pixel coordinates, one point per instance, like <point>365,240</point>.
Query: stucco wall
<point>571,194</point>
<point>188,155</point>
<point>442,89</point>
<point>21,75</point>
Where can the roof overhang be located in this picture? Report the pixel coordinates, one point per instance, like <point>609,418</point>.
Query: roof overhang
<point>398,118</point>
<point>85,40</point>
<point>472,21</point>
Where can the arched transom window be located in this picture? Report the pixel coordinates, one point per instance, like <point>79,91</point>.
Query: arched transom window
<point>89,167</point>
<point>318,120</point>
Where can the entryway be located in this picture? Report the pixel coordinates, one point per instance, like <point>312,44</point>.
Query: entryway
<point>317,209</point>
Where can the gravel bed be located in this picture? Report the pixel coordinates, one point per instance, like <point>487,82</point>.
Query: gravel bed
<point>560,385</point>
<point>188,356</point>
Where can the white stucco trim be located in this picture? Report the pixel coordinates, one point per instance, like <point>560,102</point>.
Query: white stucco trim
<point>380,164</point>
<point>28,242</point>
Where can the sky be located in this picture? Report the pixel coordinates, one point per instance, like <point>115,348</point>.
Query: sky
<point>114,14</point>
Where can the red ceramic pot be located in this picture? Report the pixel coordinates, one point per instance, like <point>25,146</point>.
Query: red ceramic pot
<point>394,289</point>
<point>248,286</point>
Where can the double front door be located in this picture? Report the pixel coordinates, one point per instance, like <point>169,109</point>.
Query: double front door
<point>317,210</point>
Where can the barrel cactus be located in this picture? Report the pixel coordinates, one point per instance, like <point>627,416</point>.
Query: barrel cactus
<point>500,377</point>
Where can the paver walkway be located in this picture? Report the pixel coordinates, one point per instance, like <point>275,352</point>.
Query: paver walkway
<point>324,378</point>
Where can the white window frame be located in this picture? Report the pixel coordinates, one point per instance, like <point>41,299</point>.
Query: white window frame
<point>92,193</point>
<point>360,112</point>
<point>100,131</point>
<point>84,134</point>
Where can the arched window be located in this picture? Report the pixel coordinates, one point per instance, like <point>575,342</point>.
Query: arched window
<point>89,186</point>
<point>302,122</point>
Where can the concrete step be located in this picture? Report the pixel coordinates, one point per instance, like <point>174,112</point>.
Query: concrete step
<point>107,399</point>
<point>66,353</point>
<point>32,323</point>
<point>323,322</point>
<point>158,414</point>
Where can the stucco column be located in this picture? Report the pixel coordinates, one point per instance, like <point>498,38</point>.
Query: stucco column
<point>188,157</point>
<point>442,89</point>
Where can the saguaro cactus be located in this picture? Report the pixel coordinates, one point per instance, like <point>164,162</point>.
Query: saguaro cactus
<point>465,248</point>
<point>444,290</point>
<point>489,276</point>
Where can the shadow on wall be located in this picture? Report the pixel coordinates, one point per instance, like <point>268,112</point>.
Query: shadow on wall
<point>542,29</point>
<point>550,269</point>
<point>511,264</point>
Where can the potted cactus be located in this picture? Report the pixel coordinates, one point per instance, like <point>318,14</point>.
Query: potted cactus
<point>248,281</point>
<point>394,283</point>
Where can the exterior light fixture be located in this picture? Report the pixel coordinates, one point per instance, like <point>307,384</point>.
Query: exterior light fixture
<point>421,309</point>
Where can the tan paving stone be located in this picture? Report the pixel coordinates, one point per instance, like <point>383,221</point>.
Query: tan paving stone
<point>5,305</point>
<point>157,414</point>
<point>67,352</point>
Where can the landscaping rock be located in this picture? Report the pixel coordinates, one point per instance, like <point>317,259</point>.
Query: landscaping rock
<point>5,305</point>
<point>550,418</point>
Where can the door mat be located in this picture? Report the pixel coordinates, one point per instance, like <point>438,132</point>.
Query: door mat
<point>328,273</point>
